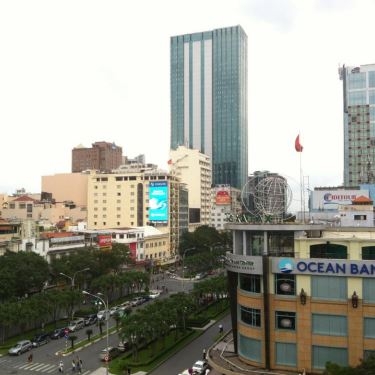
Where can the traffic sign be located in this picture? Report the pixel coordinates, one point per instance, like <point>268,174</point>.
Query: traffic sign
<point>106,358</point>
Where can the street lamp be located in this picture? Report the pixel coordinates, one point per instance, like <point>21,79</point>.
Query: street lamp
<point>72,278</point>
<point>105,303</point>
<point>183,266</point>
<point>72,283</point>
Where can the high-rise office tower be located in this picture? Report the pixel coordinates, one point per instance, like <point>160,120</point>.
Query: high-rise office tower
<point>359,124</point>
<point>209,100</point>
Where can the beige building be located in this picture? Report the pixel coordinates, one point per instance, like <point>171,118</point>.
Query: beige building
<point>67,187</point>
<point>301,295</point>
<point>122,199</point>
<point>194,169</point>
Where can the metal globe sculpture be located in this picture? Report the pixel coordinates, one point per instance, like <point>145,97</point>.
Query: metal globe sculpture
<point>267,197</point>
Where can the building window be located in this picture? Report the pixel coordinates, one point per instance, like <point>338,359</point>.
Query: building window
<point>250,348</point>
<point>369,327</point>
<point>286,353</point>
<point>360,218</point>
<point>331,287</point>
<point>368,353</point>
<point>368,252</point>
<point>12,206</point>
<point>330,325</point>
<point>323,354</point>
<point>22,206</point>
<point>250,283</point>
<point>250,316</point>
<point>368,285</point>
<point>371,79</point>
<point>328,250</point>
<point>285,320</point>
<point>285,284</point>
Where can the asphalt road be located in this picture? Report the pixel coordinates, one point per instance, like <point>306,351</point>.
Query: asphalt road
<point>186,357</point>
<point>46,358</point>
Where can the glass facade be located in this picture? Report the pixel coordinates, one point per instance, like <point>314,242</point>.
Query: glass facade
<point>359,124</point>
<point>209,99</point>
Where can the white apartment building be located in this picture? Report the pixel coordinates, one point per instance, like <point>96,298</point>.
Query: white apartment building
<point>194,169</point>
<point>225,200</point>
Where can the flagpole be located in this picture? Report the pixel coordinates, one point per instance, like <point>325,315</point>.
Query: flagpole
<point>299,149</point>
<point>301,188</point>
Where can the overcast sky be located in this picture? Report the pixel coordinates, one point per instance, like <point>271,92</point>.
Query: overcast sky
<point>82,71</point>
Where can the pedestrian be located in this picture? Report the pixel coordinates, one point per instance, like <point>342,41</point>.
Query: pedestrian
<point>79,365</point>
<point>204,354</point>
<point>129,371</point>
<point>73,365</point>
<point>30,358</point>
<point>207,371</point>
<point>61,366</point>
<point>220,328</point>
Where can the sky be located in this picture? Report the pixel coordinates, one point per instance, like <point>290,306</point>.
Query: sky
<point>81,71</point>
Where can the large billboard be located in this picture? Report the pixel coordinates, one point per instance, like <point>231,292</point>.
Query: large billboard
<point>332,199</point>
<point>223,196</point>
<point>158,201</point>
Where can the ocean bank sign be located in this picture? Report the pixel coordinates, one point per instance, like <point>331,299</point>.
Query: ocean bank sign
<point>324,267</point>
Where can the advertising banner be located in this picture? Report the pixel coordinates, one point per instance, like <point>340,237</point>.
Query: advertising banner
<point>158,201</point>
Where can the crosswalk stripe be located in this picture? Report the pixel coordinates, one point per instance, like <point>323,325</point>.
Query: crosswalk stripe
<point>45,367</point>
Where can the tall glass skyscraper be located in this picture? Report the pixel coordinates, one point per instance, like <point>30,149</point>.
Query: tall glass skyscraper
<point>209,100</point>
<point>359,124</point>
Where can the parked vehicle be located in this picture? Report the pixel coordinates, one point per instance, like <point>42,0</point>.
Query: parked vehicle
<point>75,325</point>
<point>113,310</point>
<point>90,319</point>
<point>138,301</point>
<point>101,315</point>
<point>40,339</point>
<point>21,347</point>
<point>112,352</point>
<point>123,346</point>
<point>58,333</point>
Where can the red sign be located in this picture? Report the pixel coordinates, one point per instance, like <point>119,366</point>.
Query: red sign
<point>105,240</point>
<point>223,197</point>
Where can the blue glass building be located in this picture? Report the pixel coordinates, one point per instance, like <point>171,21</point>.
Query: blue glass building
<point>209,100</point>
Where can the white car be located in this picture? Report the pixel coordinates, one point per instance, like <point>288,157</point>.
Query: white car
<point>75,325</point>
<point>101,314</point>
<point>154,294</point>
<point>200,367</point>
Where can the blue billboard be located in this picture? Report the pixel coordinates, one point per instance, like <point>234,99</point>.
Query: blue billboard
<point>158,201</point>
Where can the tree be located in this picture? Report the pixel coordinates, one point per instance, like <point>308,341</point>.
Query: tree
<point>72,339</point>
<point>23,272</point>
<point>366,367</point>
<point>89,333</point>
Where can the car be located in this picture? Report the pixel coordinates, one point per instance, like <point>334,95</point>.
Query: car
<point>40,339</point>
<point>200,276</point>
<point>137,301</point>
<point>58,333</point>
<point>154,294</point>
<point>90,319</point>
<point>123,345</point>
<point>113,310</point>
<point>200,367</point>
<point>122,311</point>
<point>21,347</point>
<point>108,355</point>
<point>101,314</point>
<point>75,325</point>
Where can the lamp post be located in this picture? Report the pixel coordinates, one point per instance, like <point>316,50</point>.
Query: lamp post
<point>105,303</point>
<point>72,283</point>
<point>72,278</point>
<point>183,266</point>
